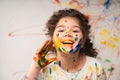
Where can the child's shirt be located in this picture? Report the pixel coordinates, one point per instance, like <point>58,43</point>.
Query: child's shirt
<point>92,70</point>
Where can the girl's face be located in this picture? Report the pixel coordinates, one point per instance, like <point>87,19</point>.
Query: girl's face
<point>67,36</point>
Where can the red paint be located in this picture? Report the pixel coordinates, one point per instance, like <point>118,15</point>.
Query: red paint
<point>65,20</point>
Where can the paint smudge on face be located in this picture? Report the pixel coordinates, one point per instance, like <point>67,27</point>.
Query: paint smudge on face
<point>76,38</point>
<point>68,32</point>
<point>77,47</point>
<point>57,43</point>
<point>62,47</point>
<point>59,46</point>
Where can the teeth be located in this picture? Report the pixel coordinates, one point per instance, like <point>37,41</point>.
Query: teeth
<point>67,42</point>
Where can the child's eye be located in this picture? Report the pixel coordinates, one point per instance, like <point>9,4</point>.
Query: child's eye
<point>60,30</point>
<point>76,31</point>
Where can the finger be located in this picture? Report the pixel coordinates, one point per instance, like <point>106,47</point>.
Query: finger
<point>43,46</point>
<point>39,51</point>
<point>50,57</point>
<point>48,47</point>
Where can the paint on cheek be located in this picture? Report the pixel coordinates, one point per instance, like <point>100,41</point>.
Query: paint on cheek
<point>63,50</point>
<point>57,42</point>
<point>77,47</point>
<point>76,38</point>
<point>58,45</point>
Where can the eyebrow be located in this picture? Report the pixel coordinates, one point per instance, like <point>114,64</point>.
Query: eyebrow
<point>64,26</point>
<point>59,26</point>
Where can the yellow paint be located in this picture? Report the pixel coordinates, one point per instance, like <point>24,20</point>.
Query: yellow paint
<point>72,5</point>
<point>54,68</point>
<point>106,31</point>
<point>90,69</point>
<point>115,39</point>
<point>103,42</point>
<point>111,45</point>
<point>61,74</point>
<point>108,39</point>
<point>57,43</point>
<point>100,1</point>
<point>68,32</point>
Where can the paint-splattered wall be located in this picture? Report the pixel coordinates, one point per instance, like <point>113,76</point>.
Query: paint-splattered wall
<point>104,16</point>
<point>22,23</point>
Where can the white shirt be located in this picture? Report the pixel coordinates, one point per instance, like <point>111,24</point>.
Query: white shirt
<point>92,70</point>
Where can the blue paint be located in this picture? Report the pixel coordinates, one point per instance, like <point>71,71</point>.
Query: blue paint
<point>77,47</point>
<point>107,3</point>
<point>59,63</point>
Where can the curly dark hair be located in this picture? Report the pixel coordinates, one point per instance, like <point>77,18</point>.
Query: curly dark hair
<point>87,48</point>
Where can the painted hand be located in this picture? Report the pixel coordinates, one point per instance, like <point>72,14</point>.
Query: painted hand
<point>40,56</point>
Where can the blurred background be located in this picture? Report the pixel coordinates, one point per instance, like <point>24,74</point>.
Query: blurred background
<point>22,31</point>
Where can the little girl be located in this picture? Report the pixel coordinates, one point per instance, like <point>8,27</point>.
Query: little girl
<point>74,58</point>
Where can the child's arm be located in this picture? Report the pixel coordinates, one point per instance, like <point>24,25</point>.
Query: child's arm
<point>39,61</point>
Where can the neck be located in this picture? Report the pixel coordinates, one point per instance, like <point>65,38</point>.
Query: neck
<point>71,62</point>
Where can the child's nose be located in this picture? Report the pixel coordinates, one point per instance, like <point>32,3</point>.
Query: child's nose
<point>68,33</point>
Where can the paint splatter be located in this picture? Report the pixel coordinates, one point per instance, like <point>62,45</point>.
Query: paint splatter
<point>107,3</point>
<point>50,70</point>
<point>76,38</point>
<point>59,63</point>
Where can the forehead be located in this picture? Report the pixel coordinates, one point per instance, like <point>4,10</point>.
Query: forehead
<point>69,20</point>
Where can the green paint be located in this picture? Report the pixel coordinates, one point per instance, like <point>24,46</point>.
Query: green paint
<point>89,79</point>
<point>39,62</point>
<point>59,49</point>
<point>107,60</point>
<point>76,38</point>
<point>50,70</point>
<point>109,69</point>
<point>43,59</point>
<point>63,49</point>
<point>96,65</point>
<point>55,63</point>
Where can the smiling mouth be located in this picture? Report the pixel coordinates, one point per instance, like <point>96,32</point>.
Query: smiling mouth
<point>69,42</point>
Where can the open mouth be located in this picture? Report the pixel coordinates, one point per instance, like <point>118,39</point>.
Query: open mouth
<point>68,42</point>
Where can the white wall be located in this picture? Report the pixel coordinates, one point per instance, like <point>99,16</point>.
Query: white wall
<point>25,19</point>
<point>21,32</point>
